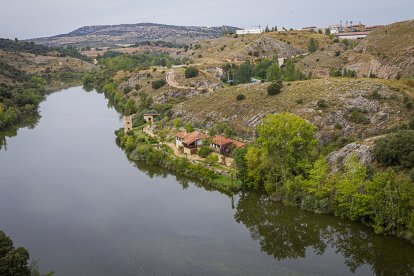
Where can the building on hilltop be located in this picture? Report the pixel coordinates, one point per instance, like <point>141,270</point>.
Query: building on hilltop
<point>250,31</point>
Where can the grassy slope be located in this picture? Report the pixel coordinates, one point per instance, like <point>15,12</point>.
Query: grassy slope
<point>388,52</point>
<point>235,49</point>
<point>342,95</point>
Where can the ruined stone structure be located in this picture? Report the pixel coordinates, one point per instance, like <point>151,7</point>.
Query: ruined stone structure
<point>128,123</point>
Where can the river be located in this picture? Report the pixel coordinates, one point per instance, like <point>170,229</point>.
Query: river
<point>72,198</point>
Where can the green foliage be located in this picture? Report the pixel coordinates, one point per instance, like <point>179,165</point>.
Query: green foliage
<point>312,45</point>
<point>290,73</point>
<point>9,45</point>
<point>20,100</point>
<point>244,73</point>
<point>274,72</point>
<point>188,126</point>
<point>191,72</point>
<point>322,103</point>
<point>240,97</point>
<point>261,68</point>
<point>396,149</point>
<point>157,84</point>
<point>286,146</point>
<point>239,156</point>
<point>212,159</point>
<point>177,122</point>
<point>357,116</point>
<point>275,88</point>
<point>204,151</point>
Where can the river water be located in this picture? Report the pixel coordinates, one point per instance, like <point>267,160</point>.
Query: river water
<point>71,197</point>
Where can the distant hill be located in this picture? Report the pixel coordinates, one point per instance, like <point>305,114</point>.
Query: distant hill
<point>112,35</point>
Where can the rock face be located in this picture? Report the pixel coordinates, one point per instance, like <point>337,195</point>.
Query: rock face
<point>111,35</point>
<point>362,150</point>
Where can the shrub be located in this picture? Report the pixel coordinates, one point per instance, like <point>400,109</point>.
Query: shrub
<point>204,151</point>
<point>191,72</point>
<point>357,116</point>
<point>275,88</point>
<point>300,101</point>
<point>157,84</point>
<point>322,103</point>
<point>240,97</point>
<point>396,149</point>
<point>127,89</point>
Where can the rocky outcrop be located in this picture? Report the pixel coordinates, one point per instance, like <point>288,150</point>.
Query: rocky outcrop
<point>362,150</point>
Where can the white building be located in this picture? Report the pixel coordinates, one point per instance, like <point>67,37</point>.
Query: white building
<point>250,31</point>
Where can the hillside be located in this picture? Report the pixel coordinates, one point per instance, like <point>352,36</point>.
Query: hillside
<point>236,48</point>
<point>387,52</point>
<point>352,107</point>
<point>113,35</point>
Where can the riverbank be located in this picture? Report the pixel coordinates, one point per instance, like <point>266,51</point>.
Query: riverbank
<point>141,147</point>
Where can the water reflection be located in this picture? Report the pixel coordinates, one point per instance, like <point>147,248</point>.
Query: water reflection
<point>29,122</point>
<point>289,233</point>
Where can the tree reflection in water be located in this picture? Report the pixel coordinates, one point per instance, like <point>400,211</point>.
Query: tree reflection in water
<point>287,233</point>
<point>29,122</point>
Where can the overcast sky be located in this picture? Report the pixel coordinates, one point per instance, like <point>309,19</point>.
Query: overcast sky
<point>38,18</point>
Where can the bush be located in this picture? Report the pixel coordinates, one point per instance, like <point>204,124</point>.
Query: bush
<point>357,116</point>
<point>157,84</point>
<point>240,97</point>
<point>191,72</point>
<point>396,149</point>
<point>275,88</point>
<point>322,103</point>
<point>204,151</point>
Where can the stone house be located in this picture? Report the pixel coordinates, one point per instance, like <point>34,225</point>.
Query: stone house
<point>188,143</point>
<point>225,145</point>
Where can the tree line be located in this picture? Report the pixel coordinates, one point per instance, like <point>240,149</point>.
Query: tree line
<point>284,161</point>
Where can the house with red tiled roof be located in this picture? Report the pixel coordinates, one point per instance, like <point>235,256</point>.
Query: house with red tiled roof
<point>225,145</point>
<point>189,142</point>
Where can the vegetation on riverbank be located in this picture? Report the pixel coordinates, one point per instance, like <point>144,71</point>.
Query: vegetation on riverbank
<point>284,162</point>
<point>140,147</point>
<point>15,261</point>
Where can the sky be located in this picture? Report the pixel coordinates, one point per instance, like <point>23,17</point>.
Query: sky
<point>39,18</point>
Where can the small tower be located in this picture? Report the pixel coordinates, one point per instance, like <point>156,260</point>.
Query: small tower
<point>128,123</point>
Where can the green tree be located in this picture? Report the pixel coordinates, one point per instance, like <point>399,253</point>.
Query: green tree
<point>274,73</point>
<point>239,156</point>
<point>351,197</point>
<point>177,122</point>
<point>244,73</point>
<point>396,149</point>
<point>275,88</point>
<point>188,127</point>
<point>286,146</point>
<point>212,159</point>
<point>312,45</point>
<point>204,151</point>
<point>191,72</point>
<point>130,107</point>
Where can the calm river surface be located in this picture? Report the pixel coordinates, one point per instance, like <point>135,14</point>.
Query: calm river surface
<point>69,194</point>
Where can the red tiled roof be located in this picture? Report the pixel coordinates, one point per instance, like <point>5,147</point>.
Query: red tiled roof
<point>189,138</point>
<point>194,136</point>
<point>222,141</point>
<point>181,134</point>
